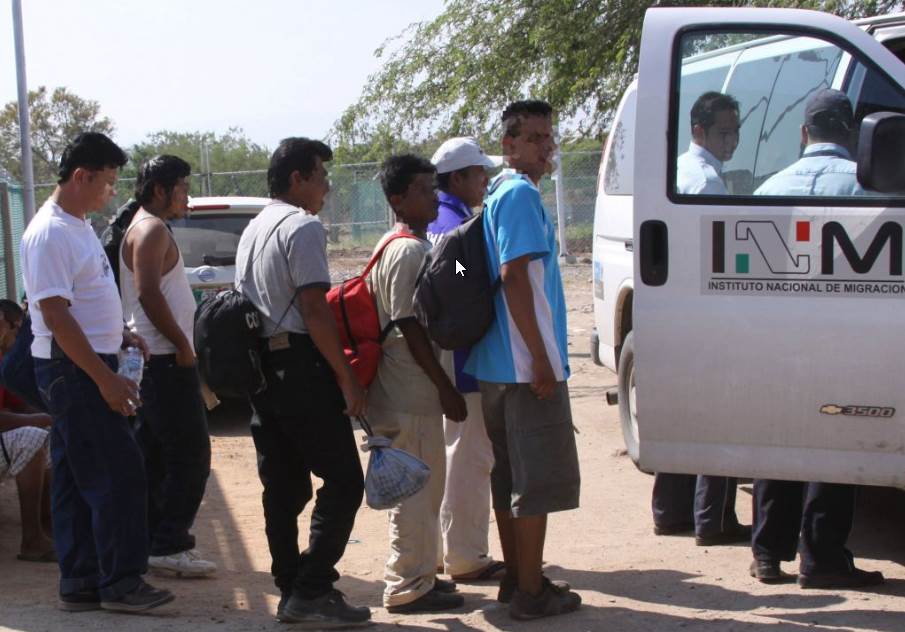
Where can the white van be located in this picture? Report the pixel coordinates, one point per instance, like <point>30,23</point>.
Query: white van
<point>766,329</point>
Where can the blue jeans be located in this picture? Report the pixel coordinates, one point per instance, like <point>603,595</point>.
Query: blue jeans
<point>172,433</point>
<point>98,494</point>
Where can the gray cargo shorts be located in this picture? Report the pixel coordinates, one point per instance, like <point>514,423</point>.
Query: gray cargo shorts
<point>535,467</point>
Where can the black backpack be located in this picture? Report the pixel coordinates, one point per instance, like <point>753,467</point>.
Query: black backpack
<point>227,338</point>
<point>457,309</point>
<point>227,344</point>
<point>112,236</point>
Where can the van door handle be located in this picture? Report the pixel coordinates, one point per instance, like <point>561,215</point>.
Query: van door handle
<point>654,252</point>
<point>629,245</point>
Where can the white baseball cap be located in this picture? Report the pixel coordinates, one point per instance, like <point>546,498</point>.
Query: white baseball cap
<point>458,153</point>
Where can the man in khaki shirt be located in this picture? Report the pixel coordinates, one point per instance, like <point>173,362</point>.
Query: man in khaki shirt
<point>411,392</point>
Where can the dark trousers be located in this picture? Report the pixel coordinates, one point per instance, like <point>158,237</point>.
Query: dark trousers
<point>708,502</point>
<point>299,429</point>
<point>172,433</point>
<point>821,513</point>
<point>98,496</point>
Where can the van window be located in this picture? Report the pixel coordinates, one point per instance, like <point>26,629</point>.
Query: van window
<point>740,110</point>
<point>618,173</point>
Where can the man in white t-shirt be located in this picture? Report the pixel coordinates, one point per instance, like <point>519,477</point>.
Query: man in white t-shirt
<point>98,493</point>
<point>172,423</point>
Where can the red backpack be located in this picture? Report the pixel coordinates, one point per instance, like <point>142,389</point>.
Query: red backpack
<point>356,316</point>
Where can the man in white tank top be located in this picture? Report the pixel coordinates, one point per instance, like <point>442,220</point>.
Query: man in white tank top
<point>172,426</point>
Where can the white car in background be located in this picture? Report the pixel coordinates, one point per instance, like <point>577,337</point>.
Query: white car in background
<point>208,237</point>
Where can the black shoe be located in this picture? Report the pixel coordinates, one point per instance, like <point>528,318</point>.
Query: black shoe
<point>142,597</point>
<point>673,529</point>
<point>550,602</point>
<point>81,601</point>
<point>856,578</point>
<point>767,571</point>
<point>737,534</point>
<point>509,586</point>
<point>432,601</point>
<point>284,598</point>
<point>326,612</point>
<point>444,585</point>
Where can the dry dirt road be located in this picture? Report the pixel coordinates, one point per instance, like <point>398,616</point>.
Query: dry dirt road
<point>628,578</point>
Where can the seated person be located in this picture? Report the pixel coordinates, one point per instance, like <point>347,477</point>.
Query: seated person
<point>25,455</point>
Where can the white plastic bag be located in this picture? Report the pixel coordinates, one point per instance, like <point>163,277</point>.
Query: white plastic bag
<point>393,474</point>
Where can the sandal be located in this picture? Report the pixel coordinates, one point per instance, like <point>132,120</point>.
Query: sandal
<point>494,571</point>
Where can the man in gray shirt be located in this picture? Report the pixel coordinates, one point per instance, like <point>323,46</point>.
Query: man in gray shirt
<point>300,424</point>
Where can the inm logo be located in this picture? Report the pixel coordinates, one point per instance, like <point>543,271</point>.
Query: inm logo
<point>764,239</point>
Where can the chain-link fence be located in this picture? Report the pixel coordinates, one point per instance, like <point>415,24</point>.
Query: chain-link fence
<point>356,212</point>
<point>12,225</point>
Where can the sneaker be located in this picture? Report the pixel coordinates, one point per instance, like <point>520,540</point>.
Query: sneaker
<point>281,606</point>
<point>509,586</point>
<point>184,564</point>
<point>737,534</point>
<point>552,601</point>
<point>856,578</point>
<point>326,612</point>
<point>432,601</point>
<point>142,597</point>
<point>81,601</point>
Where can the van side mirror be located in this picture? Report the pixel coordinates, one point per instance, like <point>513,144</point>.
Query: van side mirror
<point>881,152</point>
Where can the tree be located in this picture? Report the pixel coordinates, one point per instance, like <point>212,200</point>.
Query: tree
<point>454,74</point>
<point>55,119</point>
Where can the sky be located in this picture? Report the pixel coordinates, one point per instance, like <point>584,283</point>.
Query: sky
<point>275,68</point>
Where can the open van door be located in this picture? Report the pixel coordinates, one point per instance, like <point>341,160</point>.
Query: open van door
<point>769,315</point>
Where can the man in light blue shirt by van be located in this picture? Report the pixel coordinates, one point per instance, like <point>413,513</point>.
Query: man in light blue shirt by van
<point>826,166</point>
<point>522,365</point>
<point>813,518</point>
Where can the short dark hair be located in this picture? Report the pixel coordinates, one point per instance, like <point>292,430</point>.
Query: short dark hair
<point>515,111</point>
<point>164,170</point>
<point>398,172</point>
<point>90,150</point>
<point>11,311</point>
<point>294,154</point>
<point>706,107</point>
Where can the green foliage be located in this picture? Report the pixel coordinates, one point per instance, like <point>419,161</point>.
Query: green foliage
<point>55,119</point>
<point>455,74</point>
<point>231,151</point>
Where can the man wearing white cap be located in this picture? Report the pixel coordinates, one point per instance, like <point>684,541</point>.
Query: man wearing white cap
<point>465,512</point>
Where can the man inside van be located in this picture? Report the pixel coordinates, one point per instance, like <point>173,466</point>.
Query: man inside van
<point>826,166</point>
<point>301,422</point>
<point>714,137</point>
<point>682,502</point>
<point>99,492</point>
<point>465,513</point>
<point>522,366</point>
<point>172,425</point>
<point>814,518</point>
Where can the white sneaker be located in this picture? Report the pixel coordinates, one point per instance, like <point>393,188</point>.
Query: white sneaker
<point>184,564</point>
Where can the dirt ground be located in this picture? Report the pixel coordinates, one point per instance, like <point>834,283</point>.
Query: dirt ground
<point>628,578</point>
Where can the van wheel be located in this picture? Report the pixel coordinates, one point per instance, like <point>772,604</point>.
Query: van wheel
<point>627,401</point>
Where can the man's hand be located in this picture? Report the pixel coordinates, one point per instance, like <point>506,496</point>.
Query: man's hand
<point>134,340</point>
<point>453,404</point>
<point>543,380</point>
<point>121,394</point>
<point>354,394</point>
<point>185,357</point>
<point>41,420</point>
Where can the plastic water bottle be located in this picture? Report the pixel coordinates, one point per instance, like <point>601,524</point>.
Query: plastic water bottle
<point>132,364</point>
